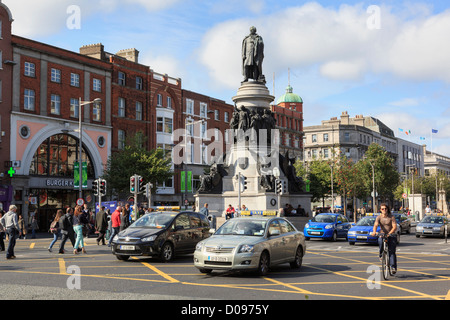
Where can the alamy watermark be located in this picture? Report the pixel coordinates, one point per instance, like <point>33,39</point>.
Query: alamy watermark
<point>74,280</point>
<point>73,21</point>
<point>374,20</point>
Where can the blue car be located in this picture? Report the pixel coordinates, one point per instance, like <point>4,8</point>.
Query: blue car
<point>327,226</point>
<point>361,231</point>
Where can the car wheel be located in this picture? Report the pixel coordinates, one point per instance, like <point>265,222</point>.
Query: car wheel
<point>334,237</point>
<point>264,263</point>
<point>167,252</point>
<point>124,258</point>
<point>297,263</point>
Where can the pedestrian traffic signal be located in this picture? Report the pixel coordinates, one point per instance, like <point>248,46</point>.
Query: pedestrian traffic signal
<point>102,187</point>
<point>95,187</point>
<point>244,182</point>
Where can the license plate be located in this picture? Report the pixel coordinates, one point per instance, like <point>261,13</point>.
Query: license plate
<point>314,232</point>
<point>218,259</point>
<point>361,237</point>
<point>129,248</point>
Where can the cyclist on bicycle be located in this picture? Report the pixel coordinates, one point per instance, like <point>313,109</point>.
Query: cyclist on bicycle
<point>388,226</point>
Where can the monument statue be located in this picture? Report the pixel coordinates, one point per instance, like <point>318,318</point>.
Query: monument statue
<point>253,56</point>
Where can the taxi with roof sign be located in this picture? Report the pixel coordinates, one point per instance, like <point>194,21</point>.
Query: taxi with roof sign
<point>433,225</point>
<point>253,242</point>
<point>162,234</point>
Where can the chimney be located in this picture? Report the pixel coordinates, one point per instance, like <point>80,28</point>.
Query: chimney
<point>96,51</point>
<point>344,118</point>
<point>129,54</point>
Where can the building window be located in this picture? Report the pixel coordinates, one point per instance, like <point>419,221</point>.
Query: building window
<point>159,100</point>
<point>122,79</point>
<point>139,83</point>
<point>75,80</point>
<point>346,136</point>
<point>164,125</point>
<point>30,69</point>
<point>189,106</point>
<point>216,115</point>
<point>203,109</point>
<point>325,137</point>
<point>29,99</point>
<point>74,108</point>
<point>121,139</point>
<point>122,105</point>
<point>226,116</point>
<point>169,102</point>
<point>97,112</point>
<point>138,110</point>
<point>55,75</point>
<point>325,153</point>
<point>314,138</point>
<point>97,85</point>
<point>55,107</point>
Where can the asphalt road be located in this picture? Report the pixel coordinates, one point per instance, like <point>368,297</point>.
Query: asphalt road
<point>330,271</point>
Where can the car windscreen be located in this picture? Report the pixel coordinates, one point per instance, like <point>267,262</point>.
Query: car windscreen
<point>366,222</point>
<point>243,228</point>
<point>326,218</point>
<point>431,219</point>
<point>154,220</point>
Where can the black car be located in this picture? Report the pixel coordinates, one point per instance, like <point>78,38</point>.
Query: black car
<point>403,222</point>
<point>161,234</point>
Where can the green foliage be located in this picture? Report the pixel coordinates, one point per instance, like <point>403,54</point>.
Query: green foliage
<point>152,165</point>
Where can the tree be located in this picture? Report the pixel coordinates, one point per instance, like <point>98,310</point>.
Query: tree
<point>154,166</point>
<point>387,177</point>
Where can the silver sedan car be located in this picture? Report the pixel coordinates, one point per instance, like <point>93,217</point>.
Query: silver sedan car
<point>251,244</point>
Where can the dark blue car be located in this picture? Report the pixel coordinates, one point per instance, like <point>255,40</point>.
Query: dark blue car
<point>328,226</point>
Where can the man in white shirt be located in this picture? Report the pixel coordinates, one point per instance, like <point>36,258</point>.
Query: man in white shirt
<point>11,224</point>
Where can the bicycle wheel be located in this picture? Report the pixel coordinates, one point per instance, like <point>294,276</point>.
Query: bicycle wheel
<point>385,265</point>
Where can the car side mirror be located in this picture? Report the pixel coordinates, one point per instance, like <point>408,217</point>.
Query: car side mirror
<point>339,222</point>
<point>212,230</point>
<point>177,228</point>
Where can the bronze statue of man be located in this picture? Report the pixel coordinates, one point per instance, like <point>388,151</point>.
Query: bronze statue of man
<point>253,56</point>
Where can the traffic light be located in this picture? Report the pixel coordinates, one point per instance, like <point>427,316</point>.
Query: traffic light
<point>148,190</point>
<point>102,187</point>
<point>280,186</point>
<point>244,182</point>
<point>139,184</point>
<point>133,184</point>
<point>95,187</point>
<point>142,186</point>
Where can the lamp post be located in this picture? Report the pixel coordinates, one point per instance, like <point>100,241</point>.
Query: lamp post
<point>80,142</point>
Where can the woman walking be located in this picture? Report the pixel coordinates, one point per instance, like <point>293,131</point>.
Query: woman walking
<point>78,229</point>
<point>55,229</point>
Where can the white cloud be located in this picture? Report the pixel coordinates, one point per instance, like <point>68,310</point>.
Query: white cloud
<point>406,102</point>
<point>408,44</point>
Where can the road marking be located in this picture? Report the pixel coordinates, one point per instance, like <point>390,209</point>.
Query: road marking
<point>62,266</point>
<point>162,274</point>
<point>382,283</point>
<point>288,285</point>
<point>448,295</point>
<point>32,245</point>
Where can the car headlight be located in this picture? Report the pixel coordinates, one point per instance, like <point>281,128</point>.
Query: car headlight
<point>352,233</point>
<point>199,246</point>
<point>116,237</point>
<point>149,239</point>
<point>419,228</point>
<point>307,225</point>
<point>329,226</point>
<point>246,248</point>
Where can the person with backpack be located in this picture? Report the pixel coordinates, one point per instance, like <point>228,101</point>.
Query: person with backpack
<point>55,229</point>
<point>66,226</point>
